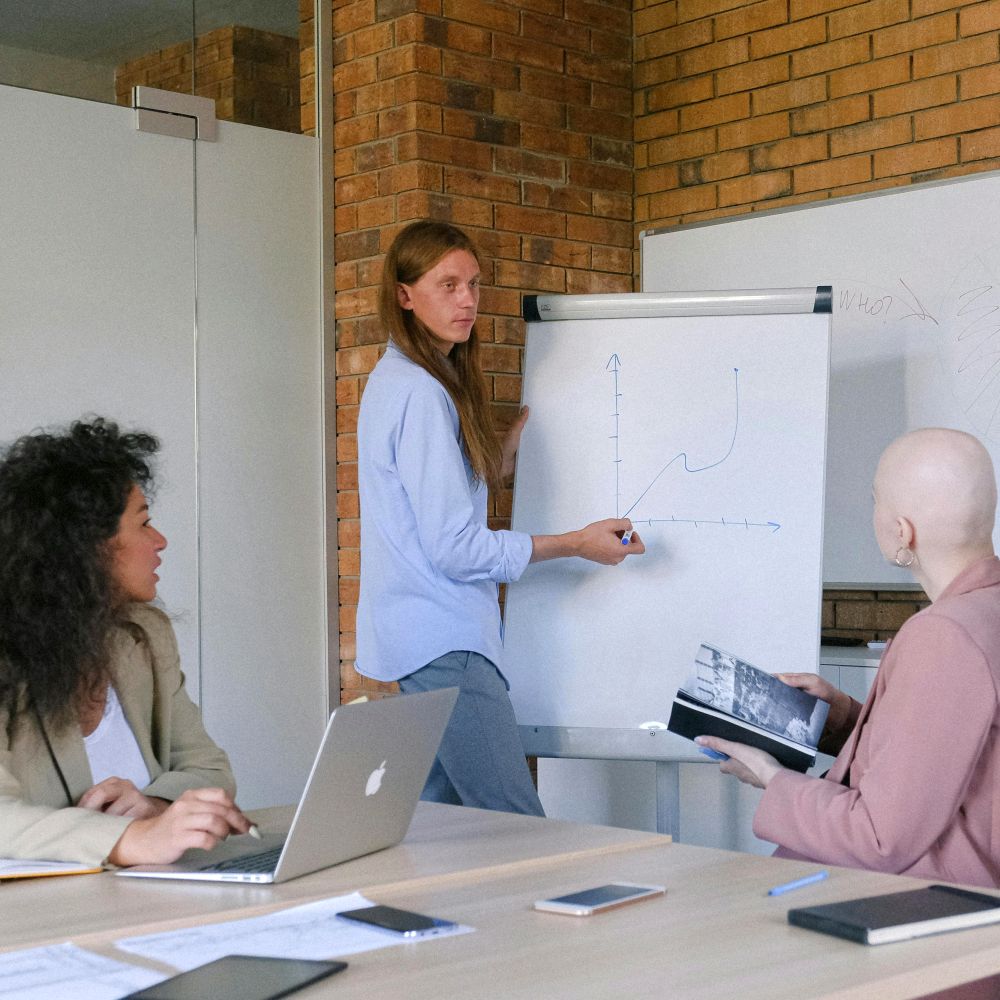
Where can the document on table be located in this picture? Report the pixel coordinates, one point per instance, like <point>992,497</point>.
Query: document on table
<point>57,971</point>
<point>309,931</point>
<point>15,868</point>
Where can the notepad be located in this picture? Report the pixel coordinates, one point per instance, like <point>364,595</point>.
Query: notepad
<point>16,868</point>
<point>899,916</point>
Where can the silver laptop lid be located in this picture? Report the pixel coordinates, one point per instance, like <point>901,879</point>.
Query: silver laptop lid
<point>360,795</point>
<point>366,780</point>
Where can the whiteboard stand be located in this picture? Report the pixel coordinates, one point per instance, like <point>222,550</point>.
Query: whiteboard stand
<point>656,745</point>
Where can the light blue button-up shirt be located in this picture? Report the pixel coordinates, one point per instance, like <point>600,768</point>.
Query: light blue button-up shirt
<point>429,564</point>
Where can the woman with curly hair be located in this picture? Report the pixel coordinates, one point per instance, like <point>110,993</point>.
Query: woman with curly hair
<point>103,757</point>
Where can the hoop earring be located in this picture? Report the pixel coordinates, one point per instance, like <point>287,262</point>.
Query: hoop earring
<point>909,562</point>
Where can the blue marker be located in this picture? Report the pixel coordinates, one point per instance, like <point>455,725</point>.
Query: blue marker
<point>714,754</point>
<point>627,537</point>
<point>780,890</point>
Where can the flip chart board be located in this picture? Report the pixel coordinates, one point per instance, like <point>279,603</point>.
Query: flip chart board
<point>916,325</point>
<point>691,426</point>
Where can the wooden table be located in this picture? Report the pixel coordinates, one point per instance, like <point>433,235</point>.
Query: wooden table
<point>716,934</point>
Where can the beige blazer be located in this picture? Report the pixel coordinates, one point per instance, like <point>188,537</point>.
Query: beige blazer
<point>36,821</point>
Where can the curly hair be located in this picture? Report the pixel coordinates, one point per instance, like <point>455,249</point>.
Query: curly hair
<point>62,496</point>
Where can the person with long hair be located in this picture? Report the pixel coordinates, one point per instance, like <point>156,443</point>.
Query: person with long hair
<point>428,615</point>
<point>914,788</point>
<point>103,757</point>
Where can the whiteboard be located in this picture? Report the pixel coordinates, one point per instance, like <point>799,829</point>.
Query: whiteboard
<point>694,426</point>
<point>916,324</point>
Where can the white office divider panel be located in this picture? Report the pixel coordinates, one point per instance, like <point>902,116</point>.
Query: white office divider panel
<point>260,423</point>
<point>97,299</point>
<point>101,264</point>
<point>915,274</point>
<point>709,432</point>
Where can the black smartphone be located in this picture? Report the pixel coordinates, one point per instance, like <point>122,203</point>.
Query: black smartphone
<point>402,922</point>
<point>241,977</point>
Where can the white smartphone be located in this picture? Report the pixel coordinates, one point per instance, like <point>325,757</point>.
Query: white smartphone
<point>598,899</point>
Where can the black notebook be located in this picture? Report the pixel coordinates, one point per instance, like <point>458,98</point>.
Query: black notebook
<point>900,916</point>
<point>727,697</point>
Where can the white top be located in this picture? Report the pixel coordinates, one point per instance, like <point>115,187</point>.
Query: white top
<point>112,748</point>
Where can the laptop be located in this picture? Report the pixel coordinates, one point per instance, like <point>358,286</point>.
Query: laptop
<point>360,796</point>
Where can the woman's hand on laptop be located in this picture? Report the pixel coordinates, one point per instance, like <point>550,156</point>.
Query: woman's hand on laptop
<point>201,817</point>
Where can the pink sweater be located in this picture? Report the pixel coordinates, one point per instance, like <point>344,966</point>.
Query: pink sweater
<point>915,789</point>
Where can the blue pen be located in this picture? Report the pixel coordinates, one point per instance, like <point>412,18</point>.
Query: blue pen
<point>780,890</point>
<point>627,537</point>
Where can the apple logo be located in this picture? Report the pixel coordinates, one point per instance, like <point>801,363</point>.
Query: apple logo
<point>375,780</point>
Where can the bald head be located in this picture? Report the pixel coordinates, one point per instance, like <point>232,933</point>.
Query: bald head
<point>942,481</point>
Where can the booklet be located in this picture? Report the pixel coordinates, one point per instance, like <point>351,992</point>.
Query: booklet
<point>15,868</point>
<point>727,697</point>
<point>900,916</point>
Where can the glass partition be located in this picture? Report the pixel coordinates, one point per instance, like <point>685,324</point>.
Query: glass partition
<point>242,53</point>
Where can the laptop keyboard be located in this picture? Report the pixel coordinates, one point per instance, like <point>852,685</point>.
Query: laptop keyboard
<point>266,861</point>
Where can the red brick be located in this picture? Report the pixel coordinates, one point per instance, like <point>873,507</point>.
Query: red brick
<point>484,185</point>
<point>752,18</point>
<point>716,56</point>
<point>596,283</point>
<point>867,17</point>
<point>831,56</point>
<point>598,231</point>
<point>809,8</point>
<point>832,173</point>
<point>980,17</point>
<point>979,82</point>
<point>560,253</point>
<point>798,35</point>
<point>715,112</point>
<point>497,17</point>
<point>524,164</point>
<point>612,206</point>
<point>539,139</point>
<point>678,93</point>
<point>754,188</point>
<point>673,40</point>
<point>913,96</point>
<point>832,114</point>
<point>655,126</point>
<point>750,76</point>
<point>550,196</point>
<point>547,29</point>
<point>683,200</point>
<point>914,35</point>
<point>953,119</point>
<point>979,50</point>
<point>553,86</point>
<point>656,179</point>
<point>533,221</point>
<point>502,357</point>
<point>981,145</point>
<point>520,107</point>
<point>763,128</point>
<point>783,96</point>
<point>881,134</point>
<point>789,152</point>
<point>486,72</point>
<point>870,76</point>
<point>602,16</point>
<point>528,52</point>
<point>915,157</point>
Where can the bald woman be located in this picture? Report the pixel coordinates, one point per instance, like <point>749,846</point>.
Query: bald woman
<point>915,789</point>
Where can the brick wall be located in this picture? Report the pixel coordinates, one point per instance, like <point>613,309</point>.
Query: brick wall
<point>252,75</point>
<point>511,119</point>
<point>744,106</point>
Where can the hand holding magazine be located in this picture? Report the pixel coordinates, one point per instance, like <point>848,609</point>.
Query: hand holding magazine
<point>726,697</point>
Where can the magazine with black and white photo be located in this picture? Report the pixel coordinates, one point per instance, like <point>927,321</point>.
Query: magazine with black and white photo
<point>727,697</point>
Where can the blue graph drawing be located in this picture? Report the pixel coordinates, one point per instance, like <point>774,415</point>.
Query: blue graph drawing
<point>614,366</point>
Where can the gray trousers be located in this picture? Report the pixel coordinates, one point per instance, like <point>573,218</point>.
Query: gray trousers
<point>480,761</point>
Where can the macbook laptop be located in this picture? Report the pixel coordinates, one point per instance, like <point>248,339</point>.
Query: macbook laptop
<point>360,795</point>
